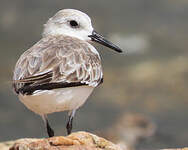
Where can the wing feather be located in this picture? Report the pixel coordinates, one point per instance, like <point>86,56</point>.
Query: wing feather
<point>62,59</point>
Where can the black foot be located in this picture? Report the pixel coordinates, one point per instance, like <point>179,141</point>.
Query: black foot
<point>49,129</point>
<point>69,125</point>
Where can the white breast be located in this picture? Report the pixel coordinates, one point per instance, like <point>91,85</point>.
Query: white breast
<point>49,101</point>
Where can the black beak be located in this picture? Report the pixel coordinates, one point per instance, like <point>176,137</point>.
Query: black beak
<point>100,39</point>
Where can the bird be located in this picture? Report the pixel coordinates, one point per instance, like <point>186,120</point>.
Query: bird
<point>62,69</point>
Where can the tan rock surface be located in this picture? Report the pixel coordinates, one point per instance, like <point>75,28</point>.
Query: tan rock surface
<point>6,145</point>
<point>75,141</point>
<point>177,148</point>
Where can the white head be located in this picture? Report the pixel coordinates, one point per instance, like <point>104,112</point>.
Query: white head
<point>69,22</point>
<point>77,24</point>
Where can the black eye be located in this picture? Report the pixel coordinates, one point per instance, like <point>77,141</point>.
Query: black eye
<point>73,23</point>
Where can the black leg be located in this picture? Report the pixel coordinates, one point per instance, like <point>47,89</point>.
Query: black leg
<point>48,128</point>
<point>69,125</point>
<point>70,120</point>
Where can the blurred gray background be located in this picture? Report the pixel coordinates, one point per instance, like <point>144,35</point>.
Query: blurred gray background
<point>151,78</point>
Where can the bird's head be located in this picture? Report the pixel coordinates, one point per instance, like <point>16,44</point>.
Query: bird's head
<point>77,24</point>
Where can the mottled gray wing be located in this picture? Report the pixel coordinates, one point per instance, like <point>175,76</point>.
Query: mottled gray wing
<point>57,62</point>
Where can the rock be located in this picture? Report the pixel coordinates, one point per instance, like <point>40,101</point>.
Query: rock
<point>75,141</point>
<point>186,148</point>
<point>6,145</point>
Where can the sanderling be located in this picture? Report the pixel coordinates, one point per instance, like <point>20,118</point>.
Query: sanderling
<point>60,71</point>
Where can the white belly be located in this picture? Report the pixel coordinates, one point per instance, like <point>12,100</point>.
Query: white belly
<point>49,101</point>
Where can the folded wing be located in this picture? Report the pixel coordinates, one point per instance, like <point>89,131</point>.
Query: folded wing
<point>57,62</point>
